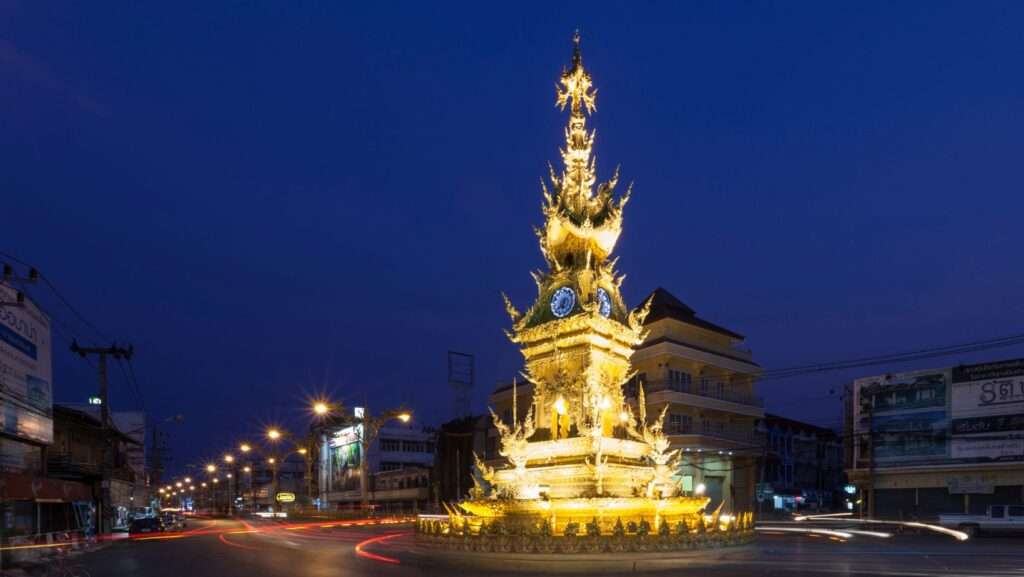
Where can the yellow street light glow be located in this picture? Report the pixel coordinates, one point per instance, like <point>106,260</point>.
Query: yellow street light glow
<point>211,468</point>
<point>560,406</point>
<point>320,408</point>
<point>229,458</point>
<point>623,416</point>
<point>188,479</point>
<point>302,451</point>
<point>215,481</point>
<point>191,487</point>
<point>228,475</point>
<point>160,490</point>
<point>178,484</point>
<point>404,417</point>
<point>247,469</point>
<point>203,485</point>
<point>245,448</point>
<point>273,434</point>
<point>271,460</point>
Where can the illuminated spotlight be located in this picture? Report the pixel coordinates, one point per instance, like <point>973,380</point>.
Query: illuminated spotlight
<point>699,489</point>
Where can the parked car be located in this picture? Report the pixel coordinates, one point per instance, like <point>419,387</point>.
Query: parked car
<point>173,521</point>
<point>146,525</point>
<point>997,518</point>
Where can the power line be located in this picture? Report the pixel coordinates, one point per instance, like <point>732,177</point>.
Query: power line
<point>59,296</point>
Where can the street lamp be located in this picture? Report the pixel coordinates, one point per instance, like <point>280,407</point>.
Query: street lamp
<point>245,447</point>
<point>188,479</point>
<point>273,434</point>
<point>229,458</point>
<point>321,408</point>
<point>211,468</point>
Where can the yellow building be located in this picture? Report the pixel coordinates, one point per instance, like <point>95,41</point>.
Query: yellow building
<point>698,370</point>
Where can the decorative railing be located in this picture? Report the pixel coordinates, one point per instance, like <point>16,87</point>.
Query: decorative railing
<point>582,537</point>
<point>710,393</point>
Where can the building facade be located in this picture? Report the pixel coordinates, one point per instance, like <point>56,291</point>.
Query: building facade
<point>802,468</point>
<point>394,448</point>
<point>946,440</point>
<point>459,443</point>
<point>699,372</point>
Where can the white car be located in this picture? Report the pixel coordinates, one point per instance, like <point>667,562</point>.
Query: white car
<point>998,518</point>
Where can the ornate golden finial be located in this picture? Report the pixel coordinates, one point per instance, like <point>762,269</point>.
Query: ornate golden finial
<point>577,91</point>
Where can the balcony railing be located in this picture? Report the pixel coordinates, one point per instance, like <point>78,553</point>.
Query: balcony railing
<point>712,392</point>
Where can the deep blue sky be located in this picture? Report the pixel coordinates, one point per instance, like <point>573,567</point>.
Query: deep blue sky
<point>270,201</point>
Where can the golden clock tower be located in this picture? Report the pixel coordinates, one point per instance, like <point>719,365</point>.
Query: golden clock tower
<point>578,336</point>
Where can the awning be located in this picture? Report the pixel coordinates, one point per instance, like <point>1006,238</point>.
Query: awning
<point>14,487</point>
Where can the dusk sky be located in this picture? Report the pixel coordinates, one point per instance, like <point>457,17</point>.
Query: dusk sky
<point>271,201</point>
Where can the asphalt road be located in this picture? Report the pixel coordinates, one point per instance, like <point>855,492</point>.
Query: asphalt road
<point>229,548</point>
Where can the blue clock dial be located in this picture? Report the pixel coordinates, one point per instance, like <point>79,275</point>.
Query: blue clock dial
<point>604,303</point>
<point>563,301</point>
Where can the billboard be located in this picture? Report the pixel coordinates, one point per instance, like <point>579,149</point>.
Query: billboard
<point>957,415</point>
<point>988,412</point>
<point>346,458</point>
<point>906,417</point>
<point>26,375</point>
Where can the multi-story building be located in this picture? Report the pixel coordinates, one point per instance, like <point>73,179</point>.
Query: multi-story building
<point>802,466</point>
<point>395,448</point>
<point>697,370</point>
<point>89,453</point>
<point>946,440</point>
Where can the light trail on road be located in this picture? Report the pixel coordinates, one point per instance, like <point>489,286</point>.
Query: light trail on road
<point>379,539</point>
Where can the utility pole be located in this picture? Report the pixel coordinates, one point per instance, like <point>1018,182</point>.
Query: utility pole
<point>114,351</point>
<point>102,518</point>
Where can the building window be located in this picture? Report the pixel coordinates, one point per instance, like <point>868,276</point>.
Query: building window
<point>679,380</point>
<point>705,384</point>
<point>390,445</point>
<point>675,423</point>
<point>687,485</point>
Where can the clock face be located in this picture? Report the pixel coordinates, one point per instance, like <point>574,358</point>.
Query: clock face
<point>563,301</point>
<point>604,303</point>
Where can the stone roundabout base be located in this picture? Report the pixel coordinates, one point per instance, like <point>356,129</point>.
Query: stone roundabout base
<point>584,558</point>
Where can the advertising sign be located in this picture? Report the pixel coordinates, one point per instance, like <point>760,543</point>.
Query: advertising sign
<point>25,370</point>
<point>988,412</point>
<point>285,497</point>
<point>905,415</point>
<point>346,458</point>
